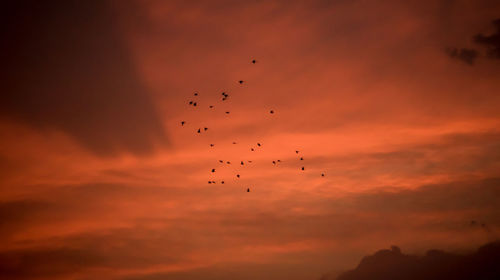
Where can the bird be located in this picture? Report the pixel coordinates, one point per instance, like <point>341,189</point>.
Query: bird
<point>211,145</point>
<point>279,160</point>
<point>248,189</point>
<point>250,161</point>
<point>272,112</point>
<point>227,112</point>
<point>194,104</point>
<point>301,158</point>
<point>296,152</point>
<point>258,144</point>
<point>222,182</point>
<point>228,162</point>
<point>252,149</point>
<point>234,143</point>
<point>210,106</point>
<point>302,167</point>
<point>274,162</point>
<point>221,161</point>
<point>241,82</point>
<point>254,61</point>
<point>205,128</point>
<point>322,174</point>
<point>183,122</point>
<point>213,169</point>
<point>210,182</point>
<point>238,175</point>
<point>199,130</point>
<point>213,182</point>
<point>190,102</point>
<point>223,93</point>
<point>242,163</point>
<point>195,94</point>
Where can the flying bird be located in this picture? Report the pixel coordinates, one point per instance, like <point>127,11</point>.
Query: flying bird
<point>211,145</point>
<point>213,169</point>
<point>183,122</point>
<point>322,174</point>
<point>258,144</point>
<point>205,128</point>
<point>302,167</point>
<point>199,130</point>
<point>242,163</point>
<point>252,149</point>
<point>195,94</point>
<point>227,112</point>
<point>210,106</point>
<point>222,182</point>
<point>241,82</point>
<point>250,161</point>
<point>238,175</point>
<point>194,104</point>
<point>272,112</point>
<point>301,158</point>
<point>254,61</point>
<point>274,162</point>
<point>221,161</point>
<point>228,162</point>
<point>234,143</point>
<point>210,182</point>
<point>190,102</point>
<point>248,189</point>
<point>296,152</point>
<point>279,160</point>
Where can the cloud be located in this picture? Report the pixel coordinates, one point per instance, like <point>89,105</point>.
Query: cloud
<point>492,42</point>
<point>392,264</point>
<point>466,55</point>
<point>66,67</point>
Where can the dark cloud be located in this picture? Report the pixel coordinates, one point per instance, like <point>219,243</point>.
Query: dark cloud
<point>492,42</point>
<point>392,264</point>
<point>65,67</point>
<point>466,55</point>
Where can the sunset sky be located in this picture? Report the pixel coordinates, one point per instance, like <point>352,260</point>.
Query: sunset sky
<point>397,103</point>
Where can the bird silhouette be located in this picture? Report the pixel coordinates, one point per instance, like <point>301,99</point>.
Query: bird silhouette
<point>234,143</point>
<point>272,112</point>
<point>227,112</point>
<point>302,167</point>
<point>183,122</point>
<point>199,130</point>
<point>195,94</point>
<point>296,152</point>
<point>213,169</point>
<point>254,61</point>
<point>322,174</point>
<point>250,161</point>
<point>301,158</point>
<point>221,161</point>
<point>210,182</point>
<point>210,106</point>
<point>190,102</point>
<point>211,145</point>
<point>242,163</point>
<point>228,162</point>
<point>238,175</point>
<point>258,144</point>
<point>194,104</point>
<point>274,162</point>
<point>252,149</point>
<point>205,128</point>
<point>222,182</point>
<point>279,160</point>
<point>241,82</point>
<point>248,189</point>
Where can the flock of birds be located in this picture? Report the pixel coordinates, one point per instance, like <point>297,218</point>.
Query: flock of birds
<point>200,130</point>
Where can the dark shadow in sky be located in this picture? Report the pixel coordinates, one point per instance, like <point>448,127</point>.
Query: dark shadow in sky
<point>65,67</point>
<point>392,264</point>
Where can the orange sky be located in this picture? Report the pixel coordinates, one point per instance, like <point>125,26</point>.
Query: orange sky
<point>98,179</point>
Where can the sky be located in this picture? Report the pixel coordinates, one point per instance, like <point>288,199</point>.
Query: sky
<point>395,102</point>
